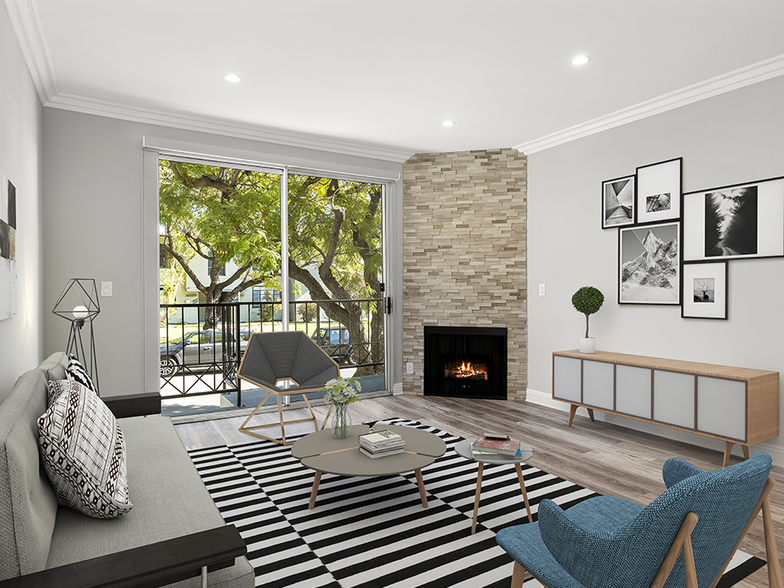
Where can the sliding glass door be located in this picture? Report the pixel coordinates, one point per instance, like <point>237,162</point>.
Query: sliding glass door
<point>259,250</point>
<point>335,261</point>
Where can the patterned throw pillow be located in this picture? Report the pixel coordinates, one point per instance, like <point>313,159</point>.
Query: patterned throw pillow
<point>83,451</point>
<point>76,372</point>
<point>56,387</point>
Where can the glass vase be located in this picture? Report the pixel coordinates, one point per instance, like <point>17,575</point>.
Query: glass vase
<point>341,421</point>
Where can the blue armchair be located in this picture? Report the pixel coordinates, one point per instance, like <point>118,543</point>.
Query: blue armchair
<point>685,537</point>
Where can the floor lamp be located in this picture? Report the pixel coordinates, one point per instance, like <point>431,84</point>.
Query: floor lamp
<point>79,303</point>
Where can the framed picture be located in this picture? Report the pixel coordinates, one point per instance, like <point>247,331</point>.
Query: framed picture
<point>649,264</point>
<point>8,295</point>
<point>618,202</point>
<point>705,290</point>
<point>734,222</point>
<point>659,191</point>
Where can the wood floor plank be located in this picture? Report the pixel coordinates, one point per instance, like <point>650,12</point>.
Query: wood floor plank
<point>607,458</point>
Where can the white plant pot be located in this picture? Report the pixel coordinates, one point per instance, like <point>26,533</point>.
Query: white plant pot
<point>587,345</point>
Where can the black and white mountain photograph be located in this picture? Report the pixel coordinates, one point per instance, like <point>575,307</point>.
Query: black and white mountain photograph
<point>731,222</point>
<point>618,201</point>
<point>650,264</point>
<point>704,290</point>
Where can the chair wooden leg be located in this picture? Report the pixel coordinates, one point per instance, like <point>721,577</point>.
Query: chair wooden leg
<point>689,567</point>
<point>326,418</point>
<point>774,568</point>
<point>682,542</point>
<point>280,415</point>
<point>310,408</point>
<point>518,575</point>
<point>763,500</point>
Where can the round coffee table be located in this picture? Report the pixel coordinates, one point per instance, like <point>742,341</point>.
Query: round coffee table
<point>322,453</point>
<point>463,448</point>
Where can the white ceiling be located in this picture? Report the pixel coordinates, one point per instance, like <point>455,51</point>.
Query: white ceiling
<point>379,77</point>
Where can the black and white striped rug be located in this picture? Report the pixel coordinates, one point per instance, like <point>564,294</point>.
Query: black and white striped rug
<point>373,532</point>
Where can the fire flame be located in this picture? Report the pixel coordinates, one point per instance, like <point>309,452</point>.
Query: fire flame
<point>467,369</point>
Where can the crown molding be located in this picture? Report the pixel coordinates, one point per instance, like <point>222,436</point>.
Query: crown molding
<point>746,76</point>
<point>27,26</point>
<point>221,127</point>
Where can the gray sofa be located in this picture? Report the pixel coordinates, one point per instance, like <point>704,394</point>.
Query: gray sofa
<point>170,503</point>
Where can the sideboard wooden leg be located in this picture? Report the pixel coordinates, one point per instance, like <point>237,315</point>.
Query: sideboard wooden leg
<point>745,449</point>
<point>727,452</point>
<point>590,413</point>
<point>572,410</point>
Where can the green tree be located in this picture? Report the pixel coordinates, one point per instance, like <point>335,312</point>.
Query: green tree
<point>335,233</point>
<point>220,215</point>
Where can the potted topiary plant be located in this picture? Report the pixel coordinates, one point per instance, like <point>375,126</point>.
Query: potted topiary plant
<point>587,300</point>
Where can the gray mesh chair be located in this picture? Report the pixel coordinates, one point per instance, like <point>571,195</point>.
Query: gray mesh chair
<point>271,358</point>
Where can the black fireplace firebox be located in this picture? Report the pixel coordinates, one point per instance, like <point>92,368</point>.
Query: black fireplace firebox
<point>465,362</point>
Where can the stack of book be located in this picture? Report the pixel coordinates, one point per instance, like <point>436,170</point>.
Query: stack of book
<point>381,444</point>
<point>496,446</point>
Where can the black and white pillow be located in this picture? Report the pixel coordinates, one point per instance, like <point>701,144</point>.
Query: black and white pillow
<point>77,373</point>
<point>83,452</point>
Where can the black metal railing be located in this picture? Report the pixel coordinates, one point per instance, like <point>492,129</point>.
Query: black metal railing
<point>202,344</point>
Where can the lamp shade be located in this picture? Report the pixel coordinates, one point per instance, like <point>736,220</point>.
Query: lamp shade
<point>79,300</point>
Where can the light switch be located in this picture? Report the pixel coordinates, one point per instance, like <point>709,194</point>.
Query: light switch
<point>410,368</point>
<point>106,288</point>
<point>541,289</point>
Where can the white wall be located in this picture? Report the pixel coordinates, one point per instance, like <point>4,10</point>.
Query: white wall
<point>728,139</point>
<point>21,337</point>
<point>94,194</point>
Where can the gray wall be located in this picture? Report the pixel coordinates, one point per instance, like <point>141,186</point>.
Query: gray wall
<point>728,139</point>
<point>21,337</point>
<point>95,228</point>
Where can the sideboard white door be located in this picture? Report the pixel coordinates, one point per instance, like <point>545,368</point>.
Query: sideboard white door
<point>598,384</point>
<point>721,407</point>
<point>673,398</point>
<point>633,390</point>
<point>567,379</point>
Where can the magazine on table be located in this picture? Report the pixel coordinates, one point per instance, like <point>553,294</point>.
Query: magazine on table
<point>496,446</point>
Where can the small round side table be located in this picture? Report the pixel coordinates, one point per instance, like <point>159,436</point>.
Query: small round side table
<point>463,448</point>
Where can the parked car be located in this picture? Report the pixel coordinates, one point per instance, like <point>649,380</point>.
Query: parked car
<point>336,343</point>
<point>199,348</point>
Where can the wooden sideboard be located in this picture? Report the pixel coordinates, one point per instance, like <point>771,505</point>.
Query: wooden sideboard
<point>735,405</point>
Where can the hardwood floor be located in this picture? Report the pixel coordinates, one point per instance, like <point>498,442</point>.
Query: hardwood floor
<point>606,458</point>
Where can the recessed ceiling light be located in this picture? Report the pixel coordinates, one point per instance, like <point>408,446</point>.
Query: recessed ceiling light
<point>232,78</point>
<point>448,123</point>
<point>581,60</point>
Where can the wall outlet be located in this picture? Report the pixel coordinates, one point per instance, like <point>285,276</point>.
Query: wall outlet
<point>541,289</point>
<point>106,288</point>
<point>409,368</point>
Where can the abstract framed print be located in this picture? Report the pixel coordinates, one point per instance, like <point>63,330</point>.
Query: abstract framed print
<point>618,202</point>
<point>734,222</point>
<point>649,264</point>
<point>705,290</point>
<point>659,191</point>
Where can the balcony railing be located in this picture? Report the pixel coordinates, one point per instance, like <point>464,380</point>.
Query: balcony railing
<point>202,344</point>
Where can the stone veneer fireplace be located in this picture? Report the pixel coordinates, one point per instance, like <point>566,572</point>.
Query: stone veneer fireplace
<point>464,253</point>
